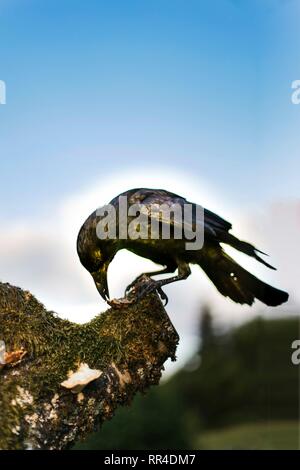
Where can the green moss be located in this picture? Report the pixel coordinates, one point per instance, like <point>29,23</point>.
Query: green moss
<point>127,337</point>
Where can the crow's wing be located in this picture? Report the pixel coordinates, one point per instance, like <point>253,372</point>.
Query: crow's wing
<point>215,227</point>
<point>149,198</point>
<point>216,221</point>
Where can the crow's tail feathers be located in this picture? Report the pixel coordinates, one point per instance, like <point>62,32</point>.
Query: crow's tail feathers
<point>235,282</point>
<point>244,247</point>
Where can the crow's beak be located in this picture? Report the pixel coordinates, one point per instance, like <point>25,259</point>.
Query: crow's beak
<point>100,278</point>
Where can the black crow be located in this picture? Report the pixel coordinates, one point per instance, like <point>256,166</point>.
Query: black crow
<point>229,277</point>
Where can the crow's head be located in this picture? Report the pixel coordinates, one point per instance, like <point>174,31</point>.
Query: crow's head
<point>95,255</point>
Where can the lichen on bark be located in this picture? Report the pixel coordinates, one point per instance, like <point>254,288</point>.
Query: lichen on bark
<point>128,346</point>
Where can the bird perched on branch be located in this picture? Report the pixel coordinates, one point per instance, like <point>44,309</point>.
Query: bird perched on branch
<point>127,223</point>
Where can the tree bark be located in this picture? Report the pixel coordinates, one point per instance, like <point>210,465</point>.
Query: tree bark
<point>44,361</point>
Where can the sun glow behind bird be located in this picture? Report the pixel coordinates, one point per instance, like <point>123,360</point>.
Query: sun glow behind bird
<point>76,209</point>
<point>126,266</point>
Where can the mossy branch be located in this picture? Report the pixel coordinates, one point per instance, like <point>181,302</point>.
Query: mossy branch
<point>125,348</point>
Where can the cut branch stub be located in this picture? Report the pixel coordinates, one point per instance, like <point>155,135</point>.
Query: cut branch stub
<point>60,380</point>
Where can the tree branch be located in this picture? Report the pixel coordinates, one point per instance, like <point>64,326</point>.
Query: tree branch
<point>60,380</point>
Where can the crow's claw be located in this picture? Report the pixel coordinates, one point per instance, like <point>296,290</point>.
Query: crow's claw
<point>162,295</point>
<point>143,286</point>
<point>132,285</point>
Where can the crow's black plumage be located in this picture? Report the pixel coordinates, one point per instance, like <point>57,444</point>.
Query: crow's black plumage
<point>229,277</point>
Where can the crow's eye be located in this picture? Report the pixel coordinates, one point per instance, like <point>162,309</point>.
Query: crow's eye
<point>98,255</point>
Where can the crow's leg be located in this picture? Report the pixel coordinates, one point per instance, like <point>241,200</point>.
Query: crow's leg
<point>166,270</point>
<point>149,285</point>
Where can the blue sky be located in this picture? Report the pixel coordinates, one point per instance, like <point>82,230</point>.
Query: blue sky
<point>190,95</point>
<point>97,87</point>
